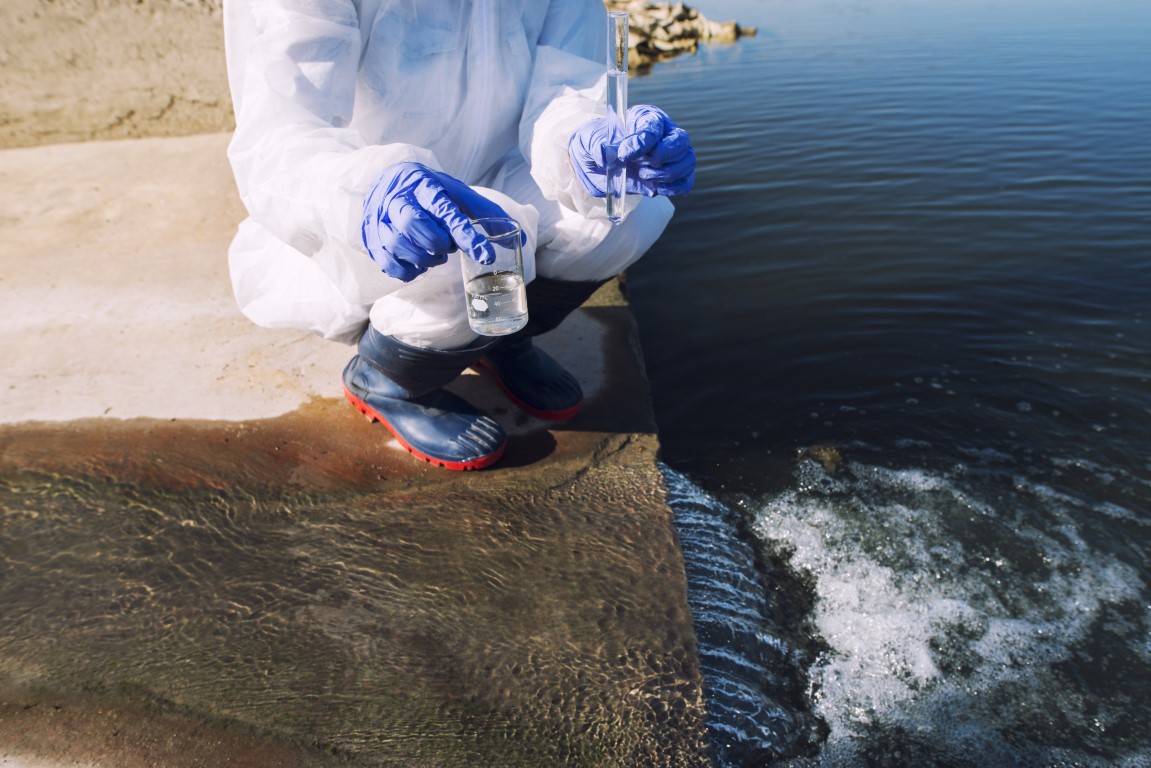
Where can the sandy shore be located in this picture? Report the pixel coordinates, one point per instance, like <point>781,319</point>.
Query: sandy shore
<point>76,70</point>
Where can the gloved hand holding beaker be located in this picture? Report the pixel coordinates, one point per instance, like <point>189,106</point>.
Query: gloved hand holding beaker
<point>414,217</point>
<point>658,153</point>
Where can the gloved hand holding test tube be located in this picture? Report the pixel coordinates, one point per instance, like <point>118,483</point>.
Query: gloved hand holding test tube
<point>637,150</point>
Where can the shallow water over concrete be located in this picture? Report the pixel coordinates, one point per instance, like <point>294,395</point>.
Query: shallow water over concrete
<point>282,577</point>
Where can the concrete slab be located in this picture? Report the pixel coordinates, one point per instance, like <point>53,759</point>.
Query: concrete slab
<point>116,294</point>
<point>205,551</point>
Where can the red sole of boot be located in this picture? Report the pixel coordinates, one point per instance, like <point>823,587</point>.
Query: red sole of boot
<point>564,414</point>
<point>462,466</point>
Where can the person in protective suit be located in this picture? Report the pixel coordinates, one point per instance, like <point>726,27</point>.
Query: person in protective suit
<point>370,132</point>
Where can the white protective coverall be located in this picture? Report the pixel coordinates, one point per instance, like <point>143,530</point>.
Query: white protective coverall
<point>329,93</point>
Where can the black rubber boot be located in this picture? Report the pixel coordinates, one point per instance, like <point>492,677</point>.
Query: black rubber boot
<point>400,386</point>
<point>530,377</point>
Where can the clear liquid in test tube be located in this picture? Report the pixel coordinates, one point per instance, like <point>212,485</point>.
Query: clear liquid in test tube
<point>617,29</point>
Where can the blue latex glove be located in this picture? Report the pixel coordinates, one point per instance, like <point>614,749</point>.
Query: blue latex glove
<point>658,154</point>
<point>414,217</point>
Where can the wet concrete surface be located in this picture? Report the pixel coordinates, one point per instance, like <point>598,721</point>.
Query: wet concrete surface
<point>208,558</point>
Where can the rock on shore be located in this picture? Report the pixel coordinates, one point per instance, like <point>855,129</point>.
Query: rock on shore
<point>660,31</point>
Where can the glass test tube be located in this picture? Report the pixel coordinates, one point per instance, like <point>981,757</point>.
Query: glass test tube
<point>617,31</point>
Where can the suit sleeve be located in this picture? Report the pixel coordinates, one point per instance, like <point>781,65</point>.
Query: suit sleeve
<point>301,171</point>
<point>567,89</point>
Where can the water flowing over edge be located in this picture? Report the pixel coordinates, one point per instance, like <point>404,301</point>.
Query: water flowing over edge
<point>753,667</point>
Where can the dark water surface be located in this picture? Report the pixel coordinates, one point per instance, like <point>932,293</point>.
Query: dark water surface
<point>920,242</point>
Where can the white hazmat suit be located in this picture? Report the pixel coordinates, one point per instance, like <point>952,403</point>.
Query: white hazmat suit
<point>329,93</point>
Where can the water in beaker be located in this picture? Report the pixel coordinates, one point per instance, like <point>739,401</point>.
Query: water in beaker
<point>497,303</point>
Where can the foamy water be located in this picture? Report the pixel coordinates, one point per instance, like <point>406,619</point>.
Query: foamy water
<point>954,631</point>
<point>960,633</point>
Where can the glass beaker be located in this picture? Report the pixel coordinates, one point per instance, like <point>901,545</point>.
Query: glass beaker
<point>497,299</point>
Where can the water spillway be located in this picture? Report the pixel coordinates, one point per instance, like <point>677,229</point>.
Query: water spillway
<point>920,236</point>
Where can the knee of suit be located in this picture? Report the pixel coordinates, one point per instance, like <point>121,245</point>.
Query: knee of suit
<point>617,248</point>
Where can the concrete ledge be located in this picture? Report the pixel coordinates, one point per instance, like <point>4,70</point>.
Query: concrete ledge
<point>205,551</point>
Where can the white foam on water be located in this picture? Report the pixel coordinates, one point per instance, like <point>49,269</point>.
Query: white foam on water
<point>947,616</point>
